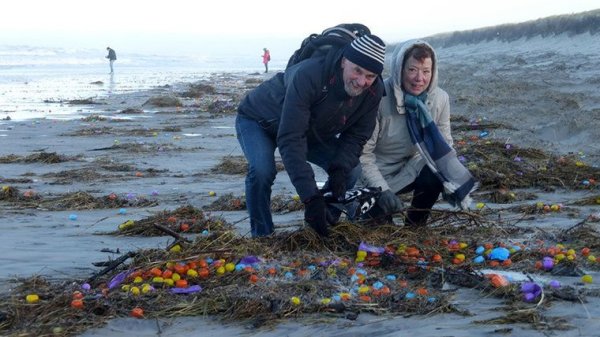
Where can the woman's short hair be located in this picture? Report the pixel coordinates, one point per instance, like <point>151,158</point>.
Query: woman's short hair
<point>419,51</point>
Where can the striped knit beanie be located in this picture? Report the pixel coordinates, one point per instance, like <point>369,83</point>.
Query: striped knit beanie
<point>368,51</point>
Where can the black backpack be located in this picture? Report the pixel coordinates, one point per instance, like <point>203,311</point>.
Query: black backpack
<point>329,42</point>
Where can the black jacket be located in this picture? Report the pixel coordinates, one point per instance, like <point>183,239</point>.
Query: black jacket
<point>302,107</point>
<point>111,54</point>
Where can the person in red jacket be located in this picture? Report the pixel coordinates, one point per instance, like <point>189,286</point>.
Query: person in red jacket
<point>266,58</point>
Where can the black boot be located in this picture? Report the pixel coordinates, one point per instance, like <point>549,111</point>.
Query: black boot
<point>416,218</point>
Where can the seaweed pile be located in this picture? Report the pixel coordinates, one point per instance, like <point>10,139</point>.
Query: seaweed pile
<point>361,267</point>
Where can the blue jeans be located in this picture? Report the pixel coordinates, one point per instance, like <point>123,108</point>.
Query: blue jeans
<point>259,147</point>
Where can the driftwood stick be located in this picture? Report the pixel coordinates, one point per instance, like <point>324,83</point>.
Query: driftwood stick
<point>172,233</point>
<point>112,265</point>
<point>580,223</point>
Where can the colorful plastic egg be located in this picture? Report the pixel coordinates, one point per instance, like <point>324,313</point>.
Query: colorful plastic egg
<point>32,298</point>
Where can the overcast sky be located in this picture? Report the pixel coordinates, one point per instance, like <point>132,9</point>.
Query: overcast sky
<point>155,25</point>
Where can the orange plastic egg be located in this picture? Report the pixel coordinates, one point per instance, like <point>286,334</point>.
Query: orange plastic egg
<point>181,283</point>
<point>77,304</point>
<point>137,312</point>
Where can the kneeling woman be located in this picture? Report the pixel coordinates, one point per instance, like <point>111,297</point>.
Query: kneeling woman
<point>411,146</point>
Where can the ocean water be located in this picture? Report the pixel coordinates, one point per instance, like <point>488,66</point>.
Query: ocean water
<point>33,79</point>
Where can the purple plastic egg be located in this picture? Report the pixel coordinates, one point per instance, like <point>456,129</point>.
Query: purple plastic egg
<point>528,287</point>
<point>548,263</point>
<point>528,297</point>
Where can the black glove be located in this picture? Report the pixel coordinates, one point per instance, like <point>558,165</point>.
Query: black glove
<point>317,215</point>
<point>389,202</point>
<point>337,184</point>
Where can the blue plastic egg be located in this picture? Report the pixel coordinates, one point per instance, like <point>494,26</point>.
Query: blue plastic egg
<point>499,253</point>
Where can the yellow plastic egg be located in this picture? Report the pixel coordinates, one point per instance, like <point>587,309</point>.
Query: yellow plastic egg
<point>230,266</point>
<point>326,301</point>
<point>175,249</point>
<point>480,205</point>
<point>146,288</point>
<point>192,273</point>
<point>125,287</point>
<point>221,270</point>
<point>460,257</point>
<point>591,258</point>
<point>169,282</point>
<point>296,197</point>
<point>138,279</point>
<point>539,204</point>
<point>296,300</point>
<point>361,254</point>
<point>587,279</point>
<point>126,225</point>
<point>134,291</point>
<point>212,193</point>
<point>463,245</point>
<point>555,208</point>
<point>32,298</point>
<point>176,277</point>
<point>363,289</point>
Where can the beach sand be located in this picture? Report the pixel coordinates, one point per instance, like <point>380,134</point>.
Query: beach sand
<point>543,90</point>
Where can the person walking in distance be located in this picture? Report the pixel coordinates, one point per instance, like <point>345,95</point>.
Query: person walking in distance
<point>112,57</point>
<point>266,58</point>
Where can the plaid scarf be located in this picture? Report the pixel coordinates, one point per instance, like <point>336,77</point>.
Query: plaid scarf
<point>439,156</point>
